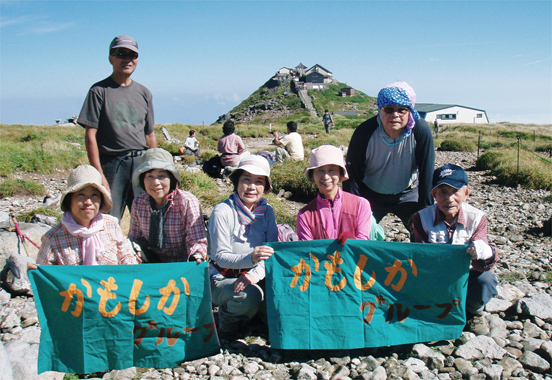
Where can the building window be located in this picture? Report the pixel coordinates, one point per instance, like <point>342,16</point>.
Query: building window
<point>479,115</point>
<point>451,116</point>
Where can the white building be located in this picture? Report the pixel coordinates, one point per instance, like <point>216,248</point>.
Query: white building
<point>451,113</point>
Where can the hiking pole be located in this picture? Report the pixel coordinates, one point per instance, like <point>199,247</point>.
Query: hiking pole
<point>21,236</point>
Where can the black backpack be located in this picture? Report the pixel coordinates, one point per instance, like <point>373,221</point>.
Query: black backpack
<point>213,167</point>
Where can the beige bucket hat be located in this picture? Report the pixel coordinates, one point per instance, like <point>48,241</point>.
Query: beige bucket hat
<point>326,155</point>
<point>155,158</point>
<point>256,165</point>
<point>82,176</point>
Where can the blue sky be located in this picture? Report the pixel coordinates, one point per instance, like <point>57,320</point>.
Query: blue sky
<point>202,58</point>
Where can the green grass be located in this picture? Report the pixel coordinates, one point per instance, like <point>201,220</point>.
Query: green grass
<point>533,172</point>
<point>10,187</point>
<point>457,145</point>
<point>28,216</point>
<point>45,149</point>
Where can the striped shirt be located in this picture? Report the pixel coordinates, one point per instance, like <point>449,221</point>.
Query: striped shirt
<point>59,247</point>
<point>183,231</point>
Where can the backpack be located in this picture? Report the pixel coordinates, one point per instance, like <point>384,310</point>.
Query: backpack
<point>213,167</point>
<point>286,233</point>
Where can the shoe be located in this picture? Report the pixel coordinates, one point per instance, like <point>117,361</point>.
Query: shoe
<point>478,325</point>
<point>229,335</point>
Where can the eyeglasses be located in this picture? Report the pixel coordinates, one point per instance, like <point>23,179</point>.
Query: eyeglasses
<point>391,110</point>
<point>125,54</point>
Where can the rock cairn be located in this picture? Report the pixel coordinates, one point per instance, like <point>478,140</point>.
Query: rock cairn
<point>518,345</point>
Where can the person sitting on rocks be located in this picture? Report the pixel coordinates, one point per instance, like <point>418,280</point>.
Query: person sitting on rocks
<point>231,146</point>
<point>238,229</point>
<point>334,213</point>
<point>453,221</point>
<point>85,236</point>
<point>191,145</point>
<point>166,222</point>
<point>289,146</point>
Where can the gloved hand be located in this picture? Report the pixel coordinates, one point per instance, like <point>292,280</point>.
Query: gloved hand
<point>342,238</point>
<point>479,250</point>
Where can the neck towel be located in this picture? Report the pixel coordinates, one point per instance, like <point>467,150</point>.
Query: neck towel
<point>92,244</point>
<point>157,223</point>
<point>246,216</point>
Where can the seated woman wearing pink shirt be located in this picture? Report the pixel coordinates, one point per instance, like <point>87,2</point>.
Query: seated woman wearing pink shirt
<point>231,145</point>
<point>334,213</point>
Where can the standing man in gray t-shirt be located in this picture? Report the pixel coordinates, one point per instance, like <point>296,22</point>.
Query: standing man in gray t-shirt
<point>118,117</point>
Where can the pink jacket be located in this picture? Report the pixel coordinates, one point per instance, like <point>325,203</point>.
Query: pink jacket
<point>326,219</point>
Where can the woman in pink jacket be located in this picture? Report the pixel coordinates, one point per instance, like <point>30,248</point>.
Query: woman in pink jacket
<point>334,213</point>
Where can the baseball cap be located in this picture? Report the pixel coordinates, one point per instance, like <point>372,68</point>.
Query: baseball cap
<point>451,175</point>
<point>124,42</point>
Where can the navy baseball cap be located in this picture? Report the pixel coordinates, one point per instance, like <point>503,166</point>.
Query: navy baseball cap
<point>124,42</point>
<point>451,175</point>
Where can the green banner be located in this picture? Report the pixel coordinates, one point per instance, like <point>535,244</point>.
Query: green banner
<point>97,318</point>
<point>323,295</point>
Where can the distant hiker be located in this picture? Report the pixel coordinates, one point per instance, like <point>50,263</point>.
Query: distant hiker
<point>453,221</point>
<point>231,145</point>
<point>436,127</point>
<point>191,145</point>
<point>328,121</point>
<point>289,146</point>
<point>391,156</point>
<point>118,117</point>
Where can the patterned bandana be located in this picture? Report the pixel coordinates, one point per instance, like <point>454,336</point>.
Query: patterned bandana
<point>399,94</point>
<point>246,216</point>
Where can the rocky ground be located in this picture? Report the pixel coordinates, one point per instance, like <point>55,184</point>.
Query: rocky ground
<point>518,345</point>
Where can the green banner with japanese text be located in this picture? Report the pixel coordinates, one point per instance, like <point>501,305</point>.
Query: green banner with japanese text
<point>323,295</point>
<point>96,318</point>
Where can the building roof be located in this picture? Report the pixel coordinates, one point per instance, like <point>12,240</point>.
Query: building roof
<point>431,107</point>
<point>318,68</point>
<point>300,66</point>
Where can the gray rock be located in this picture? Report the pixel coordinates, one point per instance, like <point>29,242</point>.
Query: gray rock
<point>496,305</point>
<point>532,344</point>
<point>123,374</point>
<point>23,359</point>
<point>306,372</point>
<point>49,220</point>
<point>5,365</point>
<point>497,327</point>
<point>416,365</point>
<point>531,330</point>
<point>494,371</point>
<point>31,335</point>
<point>9,242</point>
<point>480,347</point>
<point>379,374</point>
<point>17,265</point>
<point>425,353</point>
<point>539,305</point>
<point>534,362</point>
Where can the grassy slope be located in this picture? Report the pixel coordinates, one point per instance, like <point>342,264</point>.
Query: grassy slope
<point>39,149</point>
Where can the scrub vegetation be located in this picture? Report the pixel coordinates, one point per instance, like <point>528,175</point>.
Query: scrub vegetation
<point>46,149</point>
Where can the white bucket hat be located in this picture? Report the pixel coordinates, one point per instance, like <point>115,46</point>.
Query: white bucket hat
<point>326,155</point>
<point>82,176</point>
<point>155,158</point>
<point>253,164</point>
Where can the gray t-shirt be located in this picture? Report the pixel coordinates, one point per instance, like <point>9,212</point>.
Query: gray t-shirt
<point>390,164</point>
<point>123,116</point>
